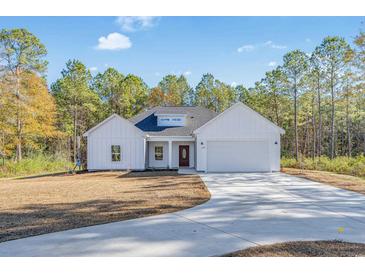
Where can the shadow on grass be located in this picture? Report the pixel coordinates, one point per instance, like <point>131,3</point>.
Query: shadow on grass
<point>35,219</point>
<point>55,174</point>
<point>149,173</point>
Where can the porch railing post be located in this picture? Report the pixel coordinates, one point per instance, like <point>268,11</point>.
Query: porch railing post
<point>170,154</point>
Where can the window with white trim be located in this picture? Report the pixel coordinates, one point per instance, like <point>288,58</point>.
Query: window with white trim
<point>158,153</point>
<point>116,153</point>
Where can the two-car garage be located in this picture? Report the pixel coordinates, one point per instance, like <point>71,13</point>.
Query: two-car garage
<point>235,155</point>
<point>238,140</point>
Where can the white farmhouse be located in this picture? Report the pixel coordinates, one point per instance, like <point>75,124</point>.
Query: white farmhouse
<point>236,140</point>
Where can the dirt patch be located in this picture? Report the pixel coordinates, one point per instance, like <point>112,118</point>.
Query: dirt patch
<point>304,249</point>
<point>338,180</point>
<point>40,205</point>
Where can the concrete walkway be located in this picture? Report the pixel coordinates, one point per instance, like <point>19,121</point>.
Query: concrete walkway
<point>245,210</point>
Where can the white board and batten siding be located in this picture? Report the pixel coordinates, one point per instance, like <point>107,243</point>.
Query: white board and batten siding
<point>238,140</point>
<point>115,131</point>
<point>152,162</point>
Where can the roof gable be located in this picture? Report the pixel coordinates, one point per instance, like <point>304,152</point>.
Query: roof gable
<point>111,117</point>
<point>236,105</point>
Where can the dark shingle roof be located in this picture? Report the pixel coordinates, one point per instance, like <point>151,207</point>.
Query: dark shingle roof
<point>195,118</point>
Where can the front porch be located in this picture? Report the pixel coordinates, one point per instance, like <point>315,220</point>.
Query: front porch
<point>170,152</point>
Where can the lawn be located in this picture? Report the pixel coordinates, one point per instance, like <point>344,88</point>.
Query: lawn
<point>304,249</point>
<point>33,206</point>
<point>338,180</point>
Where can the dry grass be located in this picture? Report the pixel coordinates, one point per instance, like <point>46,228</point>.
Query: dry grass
<point>304,249</point>
<point>40,205</point>
<point>338,180</point>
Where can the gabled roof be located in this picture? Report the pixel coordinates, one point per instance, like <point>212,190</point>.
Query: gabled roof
<point>282,131</point>
<point>195,118</point>
<point>107,120</point>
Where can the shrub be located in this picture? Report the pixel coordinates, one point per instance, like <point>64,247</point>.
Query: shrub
<point>34,165</point>
<point>343,165</point>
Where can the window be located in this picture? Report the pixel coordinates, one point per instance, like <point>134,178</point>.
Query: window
<point>165,119</point>
<point>116,153</point>
<point>176,119</point>
<point>158,153</point>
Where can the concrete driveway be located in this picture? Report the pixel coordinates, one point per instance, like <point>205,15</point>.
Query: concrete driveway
<point>245,210</point>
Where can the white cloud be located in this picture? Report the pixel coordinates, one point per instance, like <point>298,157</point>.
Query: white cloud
<point>93,69</point>
<point>157,74</point>
<point>274,46</point>
<point>135,23</point>
<point>267,44</point>
<point>114,41</point>
<point>271,44</point>
<point>308,40</point>
<point>233,84</point>
<point>272,64</point>
<point>246,48</point>
<point>187,73</point>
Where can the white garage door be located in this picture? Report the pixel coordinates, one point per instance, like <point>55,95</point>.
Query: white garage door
<point>238,156</point>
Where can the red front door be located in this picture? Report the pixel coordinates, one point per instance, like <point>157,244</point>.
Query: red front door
<point>183,155</point>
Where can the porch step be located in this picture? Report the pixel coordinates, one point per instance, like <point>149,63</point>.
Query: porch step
<point>187,171</point>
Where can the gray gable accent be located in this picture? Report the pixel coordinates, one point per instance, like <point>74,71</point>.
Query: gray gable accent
<point>195,118</point>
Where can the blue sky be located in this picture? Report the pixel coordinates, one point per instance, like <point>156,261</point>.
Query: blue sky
<point>234,49</point>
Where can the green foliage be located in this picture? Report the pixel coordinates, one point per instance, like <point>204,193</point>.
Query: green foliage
<point>176,90</point>
<point>75,100</point>
<point>108,87</point>
<point>38,164</point>
<point>242,94</point>
<point>78,106</point>
<point>295,66</point>
<point>344,165</point>
<point>123,95</point>
<point>135,93</point>
<point>21,51</point>
<point>22,54</point>
<point>214,94</point>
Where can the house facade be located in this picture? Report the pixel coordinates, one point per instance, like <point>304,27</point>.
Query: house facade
<point>236,140</point>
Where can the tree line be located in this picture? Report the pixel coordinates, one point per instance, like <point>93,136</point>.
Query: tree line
<point>318,98</point>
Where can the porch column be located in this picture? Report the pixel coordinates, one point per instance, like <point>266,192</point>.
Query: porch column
<point>170,154</point>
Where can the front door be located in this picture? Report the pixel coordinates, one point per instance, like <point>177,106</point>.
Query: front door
<point>183,155</point>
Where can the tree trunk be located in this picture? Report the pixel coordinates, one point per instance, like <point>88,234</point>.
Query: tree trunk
<point>305,139</point>
<point>74,147</point>
<point>295,122</point>
<point>18,118</point>
<point>319,135</point>
<point>332,145</point>
<point>313,128</point>
<point>348,125</point>
<point>276,109</point>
